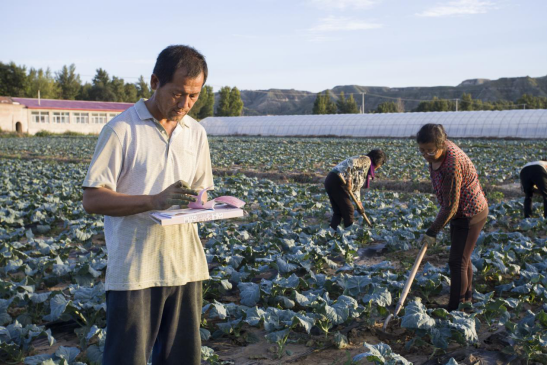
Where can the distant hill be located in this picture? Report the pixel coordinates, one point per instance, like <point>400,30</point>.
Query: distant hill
<point>290,102</point>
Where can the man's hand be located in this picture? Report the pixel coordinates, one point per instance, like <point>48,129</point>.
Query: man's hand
<point>179,193</point>
<point>431,241</point>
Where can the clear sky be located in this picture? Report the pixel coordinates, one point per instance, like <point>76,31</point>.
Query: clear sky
<point>288,44</point>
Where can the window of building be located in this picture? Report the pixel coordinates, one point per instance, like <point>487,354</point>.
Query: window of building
<point>111,116</point>
<point>98,118</point>
<point>40,117</point>
<point>65,117</point>
<point>60,117</point>
<point>35,117</point>
<point>81,118</point>
<point>56,117</point>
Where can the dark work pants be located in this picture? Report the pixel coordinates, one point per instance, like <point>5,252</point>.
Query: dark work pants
<point>339,200</point>
<point>464,233</point>
<point>530,176</point>
<point>166,319</point>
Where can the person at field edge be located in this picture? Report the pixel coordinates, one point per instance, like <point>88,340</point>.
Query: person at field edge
<point>533,179</point>
<point>151,157</point>
<point>462,203</point>
<point>350,175</point>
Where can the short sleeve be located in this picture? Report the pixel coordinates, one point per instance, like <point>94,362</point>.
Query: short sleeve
<point>106,165</point>
<point>204,173</point>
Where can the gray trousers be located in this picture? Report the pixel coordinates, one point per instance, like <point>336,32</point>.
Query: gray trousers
<point>165,319</point>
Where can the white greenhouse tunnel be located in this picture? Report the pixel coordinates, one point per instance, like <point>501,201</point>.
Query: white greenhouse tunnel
<point>525,124</point>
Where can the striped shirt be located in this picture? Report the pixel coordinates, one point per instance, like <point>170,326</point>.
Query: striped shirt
<point>457,187</point>
<point>354,169</point>
<point>135,156</point>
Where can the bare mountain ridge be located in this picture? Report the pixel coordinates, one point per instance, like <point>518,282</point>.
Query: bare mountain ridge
<point>292,102</point>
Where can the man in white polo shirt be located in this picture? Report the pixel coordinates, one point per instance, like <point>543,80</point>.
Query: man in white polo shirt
<point>533,178</point>
<point>154,272</point>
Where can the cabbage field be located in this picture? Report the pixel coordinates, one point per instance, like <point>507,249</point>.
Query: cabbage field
<point>284,288</point>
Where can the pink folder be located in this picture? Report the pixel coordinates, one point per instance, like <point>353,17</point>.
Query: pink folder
<point>229,200</point>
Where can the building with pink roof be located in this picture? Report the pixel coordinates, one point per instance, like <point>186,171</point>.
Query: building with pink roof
<point>28,115</point>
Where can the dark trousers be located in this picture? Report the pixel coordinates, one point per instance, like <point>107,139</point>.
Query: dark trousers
<point>464,233</point>
<point>530,176</point>
<point>166,319</point>
<point>340,201</point>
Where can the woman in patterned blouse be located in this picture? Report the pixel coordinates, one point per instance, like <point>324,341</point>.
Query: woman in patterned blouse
<point>462,203</point>
<point>351,174</point>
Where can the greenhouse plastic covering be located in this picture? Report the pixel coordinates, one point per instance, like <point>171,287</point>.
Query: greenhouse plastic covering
<point>463,124</point>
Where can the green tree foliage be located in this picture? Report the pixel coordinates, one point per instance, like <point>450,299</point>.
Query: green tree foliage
<point>84,92</point>
<point>533,102</point>
<point>117,86</point>
<point>143,90</point>
<point>436,105</point>
<point>101,88</point>
<point>324,104</point>
<point>341,103</point>
<point>229,103</point>
<point>131,93</point>
<point>69,82</point>
<point>387,107</point>
<point>466,102</point>
<point>204,107</point>
<point>105,88</point>
<point>38,80</point>
<point>346,105</point>
<point>319,106</point>
<point>13,80</point>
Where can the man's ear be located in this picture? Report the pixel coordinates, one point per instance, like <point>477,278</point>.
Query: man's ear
<point>154,82</point>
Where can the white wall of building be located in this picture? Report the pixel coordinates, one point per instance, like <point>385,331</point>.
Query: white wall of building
<point>60,121</point>
<point>10,115</point>
<point>54,121</point>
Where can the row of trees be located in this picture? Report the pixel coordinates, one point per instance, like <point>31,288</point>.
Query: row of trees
<point>324,104</point>
<point>66,84</point>
<point>467,103</point>
<point>229,103</point>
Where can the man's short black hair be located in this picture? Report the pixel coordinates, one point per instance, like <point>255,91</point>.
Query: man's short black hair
<point>432,133</point>
<point>179,56</point>
<point>377,157</point>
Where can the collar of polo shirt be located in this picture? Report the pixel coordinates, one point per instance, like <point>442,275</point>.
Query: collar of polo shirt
<point>145,114</point>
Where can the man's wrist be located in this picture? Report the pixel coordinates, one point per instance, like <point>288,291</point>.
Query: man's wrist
<point>150,202</point>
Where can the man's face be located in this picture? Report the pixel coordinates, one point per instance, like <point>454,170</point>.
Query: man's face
<point>175,99</point>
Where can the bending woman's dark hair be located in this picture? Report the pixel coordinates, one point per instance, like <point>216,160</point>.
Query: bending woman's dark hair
<point>377,157</point>
<point>432,133</point>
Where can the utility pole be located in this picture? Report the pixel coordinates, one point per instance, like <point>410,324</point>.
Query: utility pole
<point>457,103</point>
<point>363,103</point>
